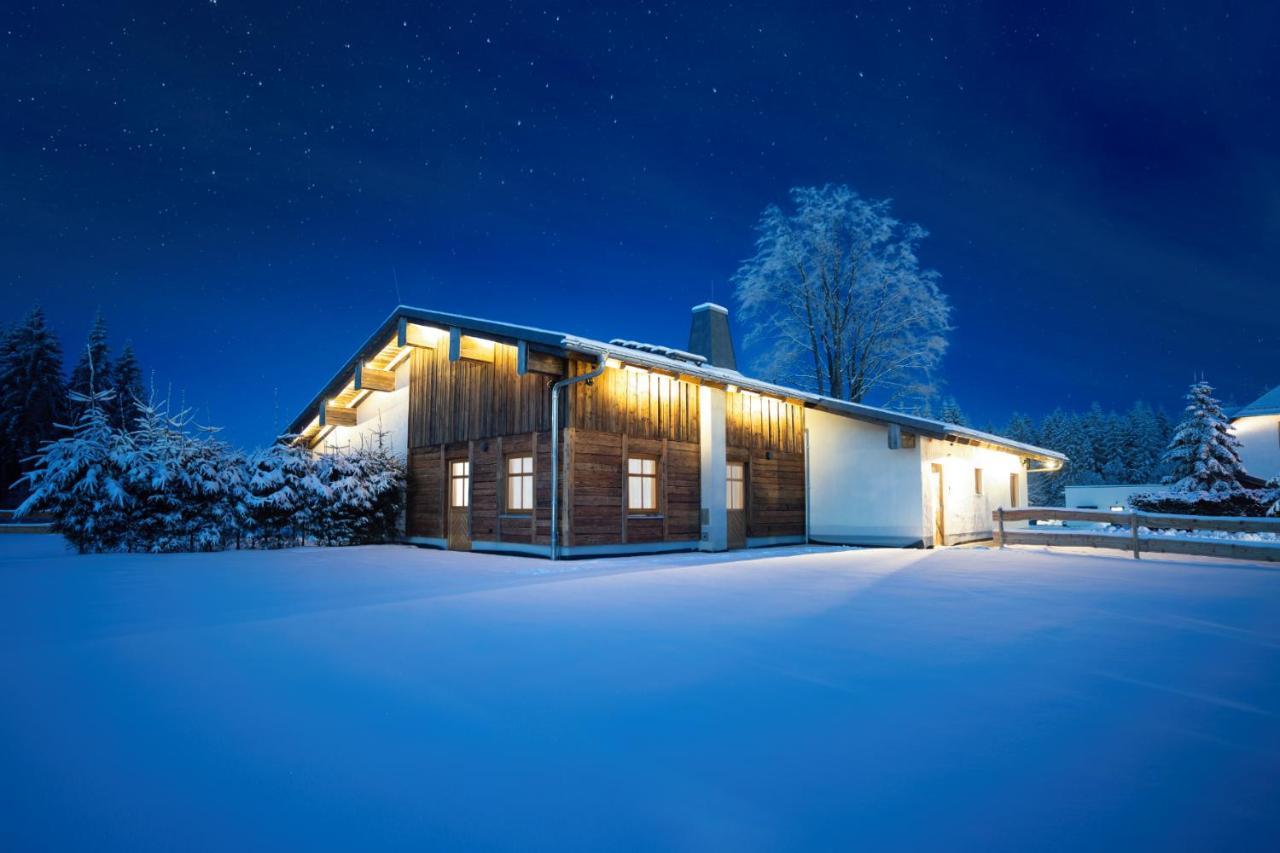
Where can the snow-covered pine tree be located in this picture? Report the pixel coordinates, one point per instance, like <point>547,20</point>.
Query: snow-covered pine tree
<point>79,479</point>
<point>154,470</point>
<point>211,491</point>
<point>126,378</point>
<point>284,494</point>
<point>1204,454</point>
<point>33,398</point>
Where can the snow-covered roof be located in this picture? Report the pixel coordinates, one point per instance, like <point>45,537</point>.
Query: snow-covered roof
<point>1267,404</point>
<point>653,358</point>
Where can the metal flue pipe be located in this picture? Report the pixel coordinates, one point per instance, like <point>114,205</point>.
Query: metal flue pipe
<point>601,363</point>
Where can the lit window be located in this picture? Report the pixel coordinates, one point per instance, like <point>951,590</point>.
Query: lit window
<point>460,484</point>
<point>736,486</point>
<point>977,481</point>
<point>642,484</point>
<point>519,483</point>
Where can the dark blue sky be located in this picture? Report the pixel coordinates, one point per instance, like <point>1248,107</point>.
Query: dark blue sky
<point>233,183</point>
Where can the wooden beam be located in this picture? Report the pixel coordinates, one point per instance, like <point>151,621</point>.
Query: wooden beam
<point>416,335</point>
<point>337,416</point>
<point>466,347</point>
<point>369,379</point>
<point>541,362</point>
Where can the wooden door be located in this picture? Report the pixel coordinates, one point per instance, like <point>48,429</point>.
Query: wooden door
<point>459,521</point>
<point>1013,491</point>
<point>939,508</point>
<point>736,503</point>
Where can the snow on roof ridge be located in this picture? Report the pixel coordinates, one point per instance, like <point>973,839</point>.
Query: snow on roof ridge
<point>1267,404</point>
<point>672,352</point>
<point>711,306</point>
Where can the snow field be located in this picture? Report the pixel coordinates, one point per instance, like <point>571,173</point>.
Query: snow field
<point>391,697</point>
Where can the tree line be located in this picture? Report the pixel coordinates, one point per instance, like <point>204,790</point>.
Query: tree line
<point>117,471</point>
<point>34,389</point>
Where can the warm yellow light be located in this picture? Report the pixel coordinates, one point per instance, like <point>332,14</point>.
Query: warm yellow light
<point>749,393</point>
<point>634,369</point>
<point>613,363</point>
<point>732,388</point>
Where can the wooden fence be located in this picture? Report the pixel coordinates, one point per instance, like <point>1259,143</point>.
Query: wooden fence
<point>1134,539</point>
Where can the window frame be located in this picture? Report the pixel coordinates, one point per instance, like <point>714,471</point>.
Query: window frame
<point>644,477</point>
<point>454,478</point>
<point>525,478</point>
<point>741,482</point>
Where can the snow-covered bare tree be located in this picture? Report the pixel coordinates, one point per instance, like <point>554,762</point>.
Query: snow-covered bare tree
<point>836,299</point>
<point>1204,453</point>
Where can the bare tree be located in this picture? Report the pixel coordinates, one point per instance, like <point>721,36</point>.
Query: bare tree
<point>836,298</point>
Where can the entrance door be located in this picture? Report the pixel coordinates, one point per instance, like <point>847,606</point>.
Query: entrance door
<point>460,504</point>
<point>736,503</point>
<point>939,508</point>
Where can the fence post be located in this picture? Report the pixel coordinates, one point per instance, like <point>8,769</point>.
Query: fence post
<point>1000,530</point>
<point>1133,533</point>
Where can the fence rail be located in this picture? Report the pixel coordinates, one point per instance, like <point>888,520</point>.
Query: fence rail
<point>1134,539</point>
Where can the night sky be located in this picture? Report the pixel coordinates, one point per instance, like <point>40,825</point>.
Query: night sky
<point>242,188</point>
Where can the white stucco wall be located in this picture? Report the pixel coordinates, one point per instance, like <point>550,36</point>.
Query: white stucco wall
<point>968,514</point>
<point>860,491</point>
<point>1260,445</point>
<point>388,409</point>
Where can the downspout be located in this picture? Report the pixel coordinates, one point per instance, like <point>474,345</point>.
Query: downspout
<point>807,500</point>
<point>601,363</point>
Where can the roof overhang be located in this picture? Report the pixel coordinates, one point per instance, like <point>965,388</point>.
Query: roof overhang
<point>382,347</point>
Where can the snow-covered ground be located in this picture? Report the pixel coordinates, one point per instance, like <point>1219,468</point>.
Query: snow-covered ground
<point>381,697</point>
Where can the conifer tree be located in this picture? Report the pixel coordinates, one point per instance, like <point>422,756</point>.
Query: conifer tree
<point>94,363</point>
<point>79,478</point>
<point>1204,454</point>
<point>952,414</point>
<point>33,397</point>
<point>126,377</point>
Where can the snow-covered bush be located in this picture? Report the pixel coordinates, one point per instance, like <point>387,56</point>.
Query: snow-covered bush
<point>366,495</point>
<point>165,484</point>
<point>284,494</point>
<point>1242,502</point>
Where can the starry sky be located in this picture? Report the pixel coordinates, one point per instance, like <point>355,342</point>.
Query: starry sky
<point>246,189</point>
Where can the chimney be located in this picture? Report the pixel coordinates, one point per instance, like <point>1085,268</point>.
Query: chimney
<point>709,335</point>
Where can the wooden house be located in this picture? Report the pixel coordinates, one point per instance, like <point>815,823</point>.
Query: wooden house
<point>524,440</point>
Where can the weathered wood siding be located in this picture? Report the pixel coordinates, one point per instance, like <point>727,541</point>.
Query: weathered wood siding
<point>776,503</point>
<point>425,498</point>
<point>427,506</point>
<point>597,480</point>
<point>463,400</point>
<point>639,405</point>
<point>764,423</point>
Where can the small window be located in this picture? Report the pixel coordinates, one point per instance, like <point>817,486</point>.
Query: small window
<point>642,484</point>
<point>519,483</point>
<point>460,484</point>
<point>736,486</point>
<point>977,481</point>
<point>1013,490</point>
